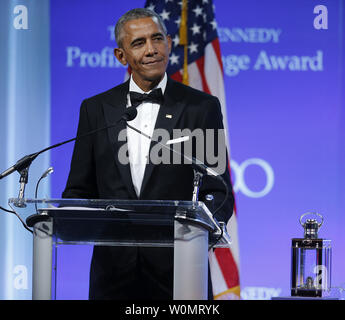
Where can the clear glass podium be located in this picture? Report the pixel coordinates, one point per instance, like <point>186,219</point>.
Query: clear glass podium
<point>186,226</point>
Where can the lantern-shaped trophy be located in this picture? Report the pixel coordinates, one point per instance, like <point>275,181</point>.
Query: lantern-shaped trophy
<point>311,261</point>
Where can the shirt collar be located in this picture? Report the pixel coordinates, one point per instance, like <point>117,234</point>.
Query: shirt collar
<point>134,87</point>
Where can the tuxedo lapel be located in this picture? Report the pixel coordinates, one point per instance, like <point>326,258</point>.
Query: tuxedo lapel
<point>169,113</point>
<point>113,110</point>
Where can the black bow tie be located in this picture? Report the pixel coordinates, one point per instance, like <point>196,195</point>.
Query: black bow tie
<point>155,96</point>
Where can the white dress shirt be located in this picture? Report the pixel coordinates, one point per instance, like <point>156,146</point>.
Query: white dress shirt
<point>138,145</point>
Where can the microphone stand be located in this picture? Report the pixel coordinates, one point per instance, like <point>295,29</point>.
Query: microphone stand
<point>24,176</point>
<point>22,165</point>
<point>196,186</point>
<point>197,168</point>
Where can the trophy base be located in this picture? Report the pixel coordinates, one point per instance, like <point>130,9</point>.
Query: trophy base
<point>313,293</point>
<point>304,298</point>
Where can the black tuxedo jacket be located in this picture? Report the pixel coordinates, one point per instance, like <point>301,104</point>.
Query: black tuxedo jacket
<point>96,172</point>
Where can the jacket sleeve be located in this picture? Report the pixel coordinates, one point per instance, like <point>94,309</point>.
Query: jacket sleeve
<point>216,157</point>
<point>81,183</point>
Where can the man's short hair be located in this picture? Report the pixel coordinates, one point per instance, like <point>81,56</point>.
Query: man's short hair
<point>133,15</point>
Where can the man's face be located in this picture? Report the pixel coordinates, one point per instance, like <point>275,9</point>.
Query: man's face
<point>146,49</point>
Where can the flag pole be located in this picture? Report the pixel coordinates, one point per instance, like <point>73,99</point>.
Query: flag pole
<point>184,39</point>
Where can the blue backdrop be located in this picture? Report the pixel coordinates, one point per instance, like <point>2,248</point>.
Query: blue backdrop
<point>285,90</point>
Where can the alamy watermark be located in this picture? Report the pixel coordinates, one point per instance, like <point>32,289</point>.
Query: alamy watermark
<point>21,20</point>
<point>205,145</point>
<point>321,20</point>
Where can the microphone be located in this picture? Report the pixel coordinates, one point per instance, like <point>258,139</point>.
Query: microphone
<point>20,165</point>
<point>129,115</point>
<point>44,175</point>
<point>26,161</point>
<point>48,171</point>
<point>196,164</point>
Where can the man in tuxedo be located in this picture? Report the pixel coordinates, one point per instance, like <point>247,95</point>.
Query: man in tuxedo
<point>98,172</point>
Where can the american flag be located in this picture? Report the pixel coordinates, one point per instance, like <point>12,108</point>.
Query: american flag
<point>193,29</point>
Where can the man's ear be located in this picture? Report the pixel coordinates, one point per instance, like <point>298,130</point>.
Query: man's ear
<point>169,43</point>
<point>120,55</point>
